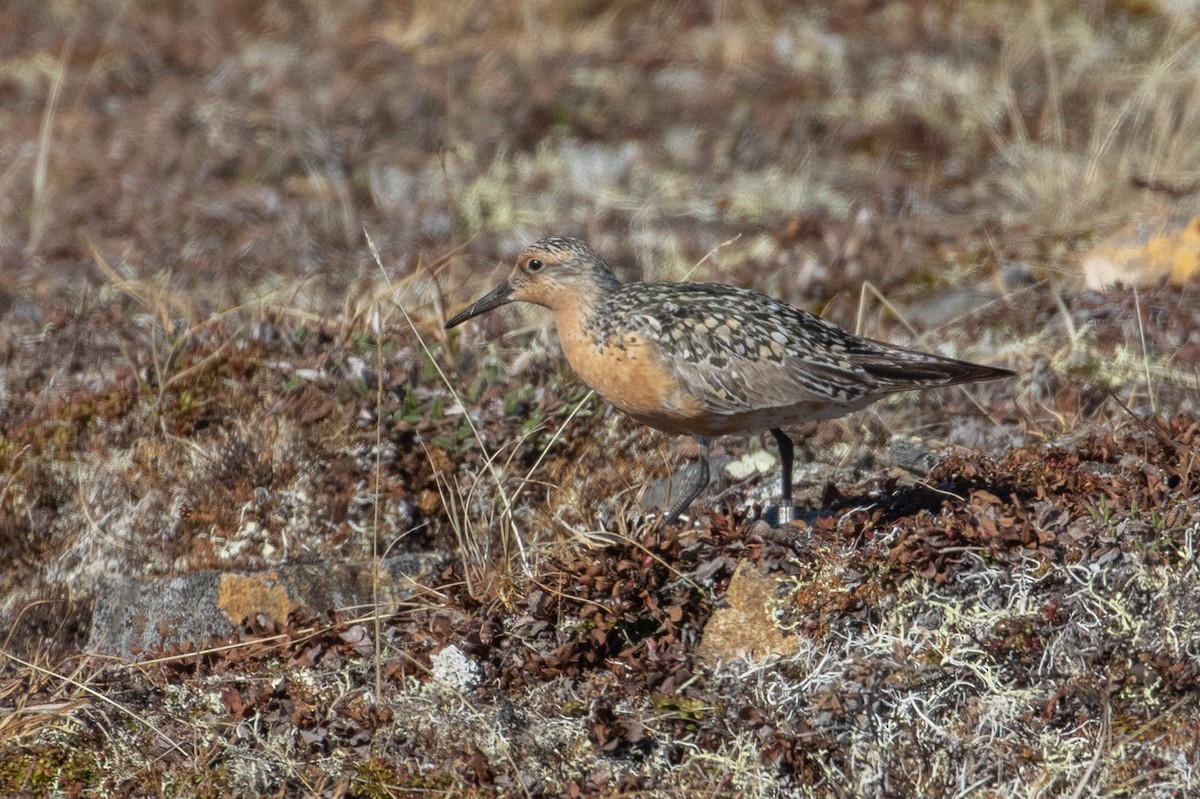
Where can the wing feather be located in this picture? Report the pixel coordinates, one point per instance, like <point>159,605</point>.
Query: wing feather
<point>738,351</point>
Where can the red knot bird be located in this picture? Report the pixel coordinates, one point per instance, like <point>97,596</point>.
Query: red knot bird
<point>705,360</point>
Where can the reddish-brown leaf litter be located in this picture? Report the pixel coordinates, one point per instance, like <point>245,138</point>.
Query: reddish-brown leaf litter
<point>268,530</point>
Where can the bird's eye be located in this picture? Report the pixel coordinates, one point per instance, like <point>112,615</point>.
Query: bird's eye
<point>534,265</point>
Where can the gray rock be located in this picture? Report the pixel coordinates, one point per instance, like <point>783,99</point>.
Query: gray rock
<point>134,615</point>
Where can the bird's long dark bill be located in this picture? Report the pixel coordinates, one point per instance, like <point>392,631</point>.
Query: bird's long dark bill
<point>501,295</point>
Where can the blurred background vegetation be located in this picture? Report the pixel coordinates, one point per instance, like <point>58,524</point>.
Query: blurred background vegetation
<point>234,147</point>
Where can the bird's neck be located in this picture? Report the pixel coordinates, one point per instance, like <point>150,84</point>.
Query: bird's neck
<point>582,312</point>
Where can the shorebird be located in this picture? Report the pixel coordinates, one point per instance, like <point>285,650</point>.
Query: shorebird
<point>705,359</point>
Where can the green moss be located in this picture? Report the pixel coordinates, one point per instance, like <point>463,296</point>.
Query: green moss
<point>378,779</point>
<point>51,771</point>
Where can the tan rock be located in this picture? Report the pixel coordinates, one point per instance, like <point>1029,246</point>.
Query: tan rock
<point>746,628</point>
<point>1145,252</point>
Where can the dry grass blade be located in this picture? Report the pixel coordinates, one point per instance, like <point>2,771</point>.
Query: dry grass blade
<point>471,541</point>
<point>508,505</point>
<point>27,720</point>
<point>102,699</point>
<point>1141,325</point>
<point>471,537</point>
<point>159,302</point>
<point>41,194</point>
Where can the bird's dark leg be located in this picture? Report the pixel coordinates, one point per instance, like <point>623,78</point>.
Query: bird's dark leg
<point>787,511</point>
<point>697,480</point>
